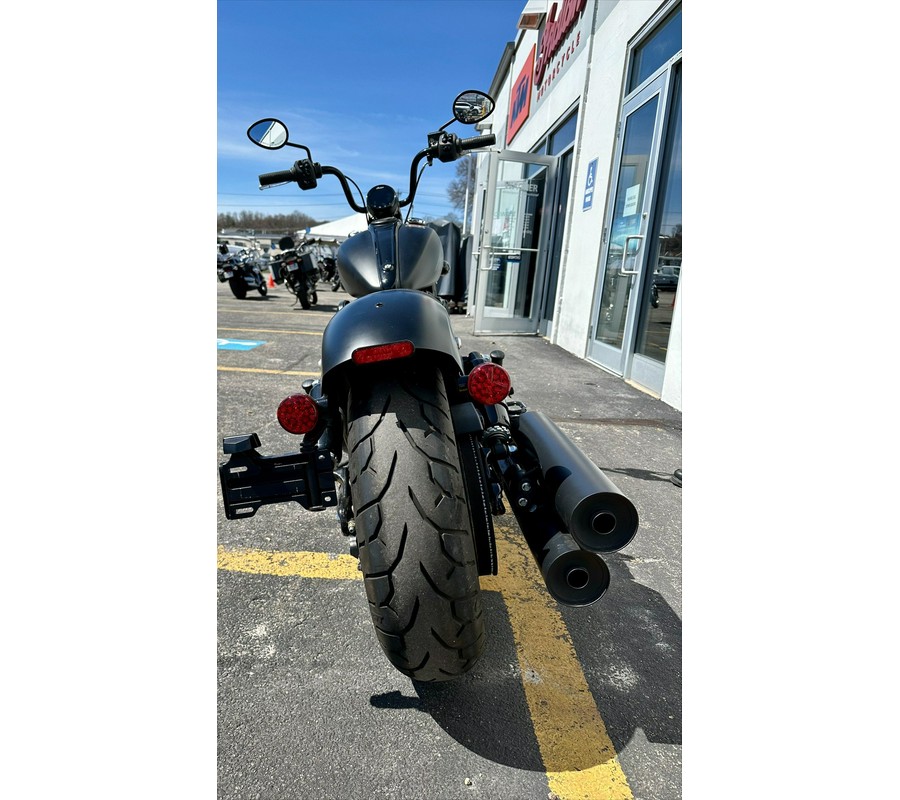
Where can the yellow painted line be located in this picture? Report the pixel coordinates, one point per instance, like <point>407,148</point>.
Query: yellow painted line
<point>269,371</point>
<point>267,330</point>
<point>304,565</point>
<point>293,313</point>
<point>579,757</point>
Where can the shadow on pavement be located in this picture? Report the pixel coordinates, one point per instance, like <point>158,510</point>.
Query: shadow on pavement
<point>629,650</point>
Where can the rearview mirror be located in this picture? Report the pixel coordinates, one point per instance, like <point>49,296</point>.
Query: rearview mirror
<point>472,106</point>
<point>269,133</point>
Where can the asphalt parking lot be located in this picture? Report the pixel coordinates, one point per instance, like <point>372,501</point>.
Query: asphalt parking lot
<point>565,702</point>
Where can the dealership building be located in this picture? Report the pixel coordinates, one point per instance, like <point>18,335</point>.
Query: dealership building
<point>576,220</point>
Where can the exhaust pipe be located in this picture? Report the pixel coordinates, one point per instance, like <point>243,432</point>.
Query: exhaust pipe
<point>592,508</point>
<point>573,576</point>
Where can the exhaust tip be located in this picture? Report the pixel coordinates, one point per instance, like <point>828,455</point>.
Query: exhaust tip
<point>573,576</point>
<point>604,523</point>
<point>577,577</point>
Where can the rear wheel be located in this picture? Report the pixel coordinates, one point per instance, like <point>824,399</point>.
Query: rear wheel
<point>238,287</point>
<point>263,289</point>
<point>415,542</point>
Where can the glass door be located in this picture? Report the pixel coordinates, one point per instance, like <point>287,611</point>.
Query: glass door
<point>664,257</point>
<point>564,177</point>
<point>624,254</point>
<point>511,262</point>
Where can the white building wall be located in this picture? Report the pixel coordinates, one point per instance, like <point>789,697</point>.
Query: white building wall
<point>617,22</point>
<point>594,80</point>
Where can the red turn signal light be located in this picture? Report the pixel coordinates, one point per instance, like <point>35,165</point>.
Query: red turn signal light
<point>298,413</point>
<point>488,384</point>
<point>382,352</point>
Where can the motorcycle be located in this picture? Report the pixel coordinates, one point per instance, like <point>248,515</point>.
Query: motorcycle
<point>328,272</point>
<point>242,273</point>
<point>296,269</point>
<point>415,446</point>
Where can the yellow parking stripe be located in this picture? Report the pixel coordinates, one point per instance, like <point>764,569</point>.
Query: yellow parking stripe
<point>579,757</point>
<point>294,313</point>
<point>270,371</point>
<point>304,565</point>
<point>266,330</point>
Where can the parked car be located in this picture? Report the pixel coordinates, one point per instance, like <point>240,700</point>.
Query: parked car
<point>666,278</point>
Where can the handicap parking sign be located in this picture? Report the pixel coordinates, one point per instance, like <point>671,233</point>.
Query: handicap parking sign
<point>589,185</point>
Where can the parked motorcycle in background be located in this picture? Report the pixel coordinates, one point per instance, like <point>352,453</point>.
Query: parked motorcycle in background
<point>241,271</point>
<point>415,444</point>
<point>296,270</point>
<point>328,272</point>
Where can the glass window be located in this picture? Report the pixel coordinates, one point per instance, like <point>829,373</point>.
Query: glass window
<point>651,54</point>
<point>564,135</point>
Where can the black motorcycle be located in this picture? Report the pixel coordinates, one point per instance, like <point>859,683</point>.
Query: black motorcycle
<point>415,445</point>
<point>242,273</point>
<point>296,270</point>
<point>328,272</point>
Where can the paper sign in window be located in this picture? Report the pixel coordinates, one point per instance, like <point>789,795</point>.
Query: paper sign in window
<point>632,195</point>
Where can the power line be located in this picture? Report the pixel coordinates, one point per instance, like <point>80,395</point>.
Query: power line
<point>319,194</point>
<point>301,210</point>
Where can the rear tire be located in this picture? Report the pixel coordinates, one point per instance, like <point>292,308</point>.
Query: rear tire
<point>263,289</point>
<point>416,549</point>
<point>238,287</point>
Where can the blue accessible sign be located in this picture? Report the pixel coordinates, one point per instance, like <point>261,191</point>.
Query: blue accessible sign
<point>236,344</point>
<point>589,185</point>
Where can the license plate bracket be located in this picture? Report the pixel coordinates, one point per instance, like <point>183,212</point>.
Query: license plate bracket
<point>250,480</point>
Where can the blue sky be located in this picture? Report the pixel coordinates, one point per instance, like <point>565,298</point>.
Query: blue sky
<point>360,82</point>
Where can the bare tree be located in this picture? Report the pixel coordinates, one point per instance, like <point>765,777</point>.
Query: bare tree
<point>265,223</point>
<point>461,190</point>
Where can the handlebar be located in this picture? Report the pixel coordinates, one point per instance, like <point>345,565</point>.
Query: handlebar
<point>443,146</point>
<point>475,142</point>
<point>282,176</point>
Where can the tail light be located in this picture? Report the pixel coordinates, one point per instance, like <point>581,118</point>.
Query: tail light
<point>488,383</point>
<point>298,413</point>
<point>383,352</point>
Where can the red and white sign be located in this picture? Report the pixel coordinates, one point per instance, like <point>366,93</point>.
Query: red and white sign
<point>559,43</point>
<point>520,99</point>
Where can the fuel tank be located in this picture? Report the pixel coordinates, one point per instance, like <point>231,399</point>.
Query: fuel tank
<point>390,255</point>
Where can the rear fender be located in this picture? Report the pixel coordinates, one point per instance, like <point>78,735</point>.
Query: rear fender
<point>393,315</point>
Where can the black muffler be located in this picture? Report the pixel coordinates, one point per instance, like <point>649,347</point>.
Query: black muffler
<point>574,577</point>
<point>591,507</point>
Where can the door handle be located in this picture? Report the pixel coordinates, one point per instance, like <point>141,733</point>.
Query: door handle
<point>500,251</point>
<point>487,251</point>
<point>622,270</point>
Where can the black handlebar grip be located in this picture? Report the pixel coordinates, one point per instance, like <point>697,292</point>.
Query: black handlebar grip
<point>477,141</point>
<point>283,176</point>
